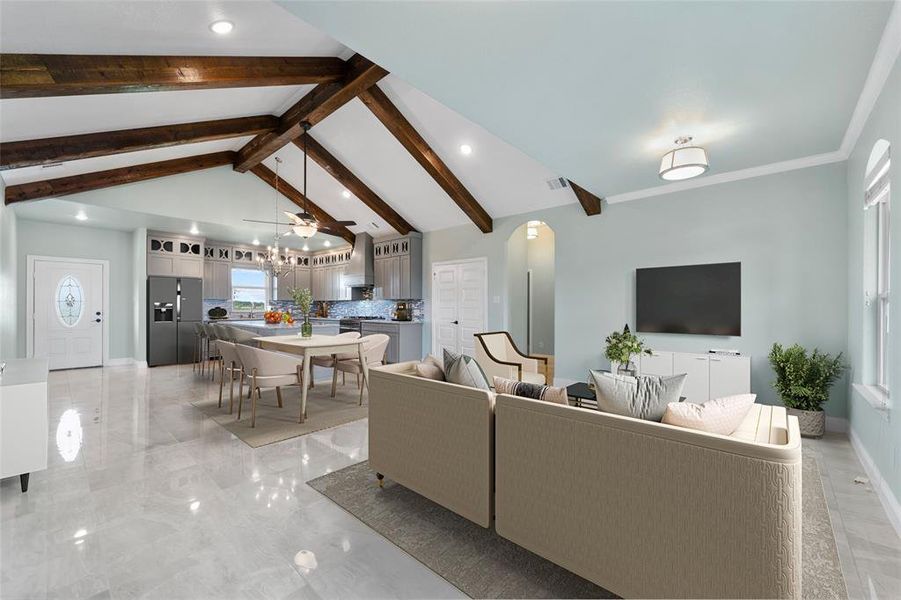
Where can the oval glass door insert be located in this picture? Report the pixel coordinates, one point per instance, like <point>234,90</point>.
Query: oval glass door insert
<point>69,301</point>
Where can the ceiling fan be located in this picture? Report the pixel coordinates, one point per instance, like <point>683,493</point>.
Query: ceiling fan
<point>304,224</point>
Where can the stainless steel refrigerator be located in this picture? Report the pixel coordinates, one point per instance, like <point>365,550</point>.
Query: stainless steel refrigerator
<point>174,305</point>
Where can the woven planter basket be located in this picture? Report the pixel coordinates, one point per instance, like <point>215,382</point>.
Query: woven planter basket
<point>811,422</point>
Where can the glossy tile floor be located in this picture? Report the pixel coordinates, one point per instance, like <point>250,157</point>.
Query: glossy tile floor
<point>147,498</point>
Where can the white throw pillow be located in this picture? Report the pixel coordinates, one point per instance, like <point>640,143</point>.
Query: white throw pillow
<point>722,416</point>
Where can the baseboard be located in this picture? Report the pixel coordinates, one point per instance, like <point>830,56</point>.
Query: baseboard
<point>883,491</point>
<point>125,362</point>
<point>837,424</point>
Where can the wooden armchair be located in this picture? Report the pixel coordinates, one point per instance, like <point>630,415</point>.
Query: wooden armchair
<point>498,356</point>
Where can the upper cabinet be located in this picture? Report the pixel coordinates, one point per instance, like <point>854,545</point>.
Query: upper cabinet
<point>397,268</point>
<point>327,275</point>
<point>174,256</point>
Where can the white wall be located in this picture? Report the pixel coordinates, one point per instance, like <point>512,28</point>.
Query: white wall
<point>8,280</point>
<point>79,241</point>
<point>139,283</point>
<point>788,230</point>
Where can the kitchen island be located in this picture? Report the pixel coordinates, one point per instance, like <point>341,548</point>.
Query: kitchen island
<point>262,328</point>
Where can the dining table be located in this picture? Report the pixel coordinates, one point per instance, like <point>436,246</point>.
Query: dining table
<point>310,347</point>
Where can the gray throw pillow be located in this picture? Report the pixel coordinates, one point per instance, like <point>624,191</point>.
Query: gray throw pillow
<point>464,370</point>
<point>642,397</point>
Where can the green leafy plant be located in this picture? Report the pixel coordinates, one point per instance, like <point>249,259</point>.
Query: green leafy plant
<point>303,298</point>
<point>623,345</point>
<point>803,380</point>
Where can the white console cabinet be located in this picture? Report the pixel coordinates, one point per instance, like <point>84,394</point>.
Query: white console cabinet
<point>710,376</point>
<point>24,429</point>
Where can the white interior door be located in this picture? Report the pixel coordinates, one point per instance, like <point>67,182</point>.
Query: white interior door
<point>68,313</point>
<point>459,305</point>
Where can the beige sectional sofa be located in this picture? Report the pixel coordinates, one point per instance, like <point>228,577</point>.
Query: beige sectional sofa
<point>435,438</point>
<point>643,509</point>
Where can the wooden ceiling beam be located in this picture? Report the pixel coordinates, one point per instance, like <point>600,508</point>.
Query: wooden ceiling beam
<point>386,112</point>
<point>43,75</point>
<point>29,153</point>
<point>590,203</point>
<point>353,184</point>
<point>294,195</point>
<point>322,101</point>
<point>74,184</point>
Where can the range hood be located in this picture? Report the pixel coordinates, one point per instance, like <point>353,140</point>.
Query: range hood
<point>359,273</point>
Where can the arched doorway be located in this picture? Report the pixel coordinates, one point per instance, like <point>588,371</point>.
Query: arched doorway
<point>530,288</point>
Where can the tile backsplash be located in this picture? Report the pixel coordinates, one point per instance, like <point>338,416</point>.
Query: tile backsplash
<point>338,308</point>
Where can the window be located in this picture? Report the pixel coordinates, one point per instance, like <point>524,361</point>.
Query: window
<point>69,305</point>
<point>877,198</point>
<point>248,290</point>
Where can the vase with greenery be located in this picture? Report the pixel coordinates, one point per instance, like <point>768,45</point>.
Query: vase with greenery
<point>621,347</point>
<point>803,380</point>
<point>303,298</point>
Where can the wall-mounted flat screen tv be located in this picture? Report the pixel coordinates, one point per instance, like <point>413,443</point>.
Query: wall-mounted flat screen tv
<point>699,299</point>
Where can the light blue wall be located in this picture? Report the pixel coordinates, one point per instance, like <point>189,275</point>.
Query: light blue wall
<point>789,231</point>
<point>8,280</point>
<point>879,432</point>
<point>73,241</point>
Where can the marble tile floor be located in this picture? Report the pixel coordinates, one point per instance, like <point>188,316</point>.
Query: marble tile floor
<point>147,498</point>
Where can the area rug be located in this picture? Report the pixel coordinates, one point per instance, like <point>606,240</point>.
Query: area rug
<point>276,424</point>
<point>484,565</point>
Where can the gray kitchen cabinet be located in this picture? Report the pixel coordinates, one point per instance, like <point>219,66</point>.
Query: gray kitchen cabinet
<point>174,256</point>
<point>397,268</point>
<point>327,275</point>
<point>404,339</point>
<point>217,283</point>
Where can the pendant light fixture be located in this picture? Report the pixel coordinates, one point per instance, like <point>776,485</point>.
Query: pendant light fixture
<point>273,261</point>
<point>684,161</point>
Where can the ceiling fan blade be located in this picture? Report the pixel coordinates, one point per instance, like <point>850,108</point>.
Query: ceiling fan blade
<point>322,224</point>
<point>292,216</point>
<point>267,222</point>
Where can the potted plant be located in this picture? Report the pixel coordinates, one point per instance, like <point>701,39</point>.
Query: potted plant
<point>303,298</point>
<point>803,381</point>
<point>621,347</point>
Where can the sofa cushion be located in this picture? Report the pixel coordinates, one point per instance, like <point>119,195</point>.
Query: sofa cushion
<point>642,397</point>
<point>429,370</point>
<point>464,370</point>
<point>722,416</point>
<point>557,395</point>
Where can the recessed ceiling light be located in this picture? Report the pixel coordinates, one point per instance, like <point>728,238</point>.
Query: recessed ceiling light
<point>326,243</point>
<point>81,216</point>
<point>222,27</point>
<point>346,194</point>
<point>306,248</point>
<point>256,242</point>
<point>194,230</point>
<point>465,149</point>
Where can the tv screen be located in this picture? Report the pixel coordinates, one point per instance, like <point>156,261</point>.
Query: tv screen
<point>699,299</point>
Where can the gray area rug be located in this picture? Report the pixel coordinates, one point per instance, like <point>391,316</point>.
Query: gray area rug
<point>484,565</point>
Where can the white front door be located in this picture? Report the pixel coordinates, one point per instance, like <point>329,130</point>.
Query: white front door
<point>459,299</point>
<point>68,313</point>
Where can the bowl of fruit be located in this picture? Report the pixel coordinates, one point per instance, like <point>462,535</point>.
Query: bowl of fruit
<point>273,317</point>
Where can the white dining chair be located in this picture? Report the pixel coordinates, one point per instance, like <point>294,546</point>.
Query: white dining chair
<point>374,347</point>
<point>231,364</point>
<point>328,362</point>
<point>266,369</point>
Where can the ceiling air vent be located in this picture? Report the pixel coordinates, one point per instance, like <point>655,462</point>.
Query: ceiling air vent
<point>557,183</point>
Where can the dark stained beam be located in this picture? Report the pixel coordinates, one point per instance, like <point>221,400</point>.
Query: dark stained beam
<point>292,194</point>
<point>322,101</point>
<point>42,75</point>
<point>589,202</point>
<point>15,155</point>
<point>359,189</point>
<point>64,186</point>
<point>382,107</point>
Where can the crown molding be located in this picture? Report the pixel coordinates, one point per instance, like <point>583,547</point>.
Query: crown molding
<point>770,169</point>
<point>887,53</point>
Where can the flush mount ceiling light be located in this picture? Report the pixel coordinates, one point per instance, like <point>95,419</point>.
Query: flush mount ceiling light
<point>684,161</point>
<point>465,149</point>
<point>221,27</point>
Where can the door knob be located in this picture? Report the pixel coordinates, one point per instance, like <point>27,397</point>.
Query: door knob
<point>455,323</point>
<point>96,320</point>
<point>97,313</point>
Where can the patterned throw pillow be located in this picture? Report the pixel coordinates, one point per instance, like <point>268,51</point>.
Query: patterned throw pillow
<point>722,416</point>
<point>557,395</point>
<point>464,370</point>
<point>643,397</point>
